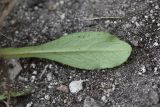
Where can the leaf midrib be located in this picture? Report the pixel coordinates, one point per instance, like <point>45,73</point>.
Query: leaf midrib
<point>65,51</point>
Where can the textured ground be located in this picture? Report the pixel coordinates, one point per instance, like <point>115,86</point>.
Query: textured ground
<point>134,84</point>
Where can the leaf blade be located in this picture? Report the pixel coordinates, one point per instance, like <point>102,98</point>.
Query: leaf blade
<point>85,50</point>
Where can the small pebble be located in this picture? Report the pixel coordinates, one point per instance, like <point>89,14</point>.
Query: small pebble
<point>143,69</point>
<point>151,11</point>
<point>33,78</point>
<point>33,65</point>
<point>155,44</point>
<point>50,66</point>
<point>157,7</point>
<point>134,42</point>
<point>137,24</point>
<point>61,2</point>
<point>139,73</point>
<point>133,19</point>
<point>63,88</point>
<point>51,85</point>
<point>156,70</point>
<point>29,104</point>
<point>12,22</point>
<point>15,70</point>
<point>146,17</point>
<point>49,76</point>
<point>79,98</point>
<point>53,101</point>
<point>22,78</point>
<point>47,97</point>
<point>62,16</point>
<point>35,8</point>
<point>158,24</point>
<point>104,99</point>
<point>34,72</point>
<point>90,102</point>
<point>16,32</point>
<point>76,86</point>
<point>154,97</point>
<point>65,101</point>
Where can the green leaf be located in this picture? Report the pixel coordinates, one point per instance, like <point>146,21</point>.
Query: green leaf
<point>85,50</point>
<point>15,93</point>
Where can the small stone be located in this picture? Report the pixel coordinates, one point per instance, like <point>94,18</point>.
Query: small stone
<point>127,25</point>
<point>143,69</point>
<point>146,17</point>
<point>156,70</point>
<point>151,11</point>
<point>65,34</point>
<point>153,20</point>
<point>33,65</point>
<point>115,22</point>
<point>22,78</point>
<point>65,101</point>
<point>61,2</point>
<point>52,6</point>
<point>16,32</point>
<point>79,98</point>
<point>44,30</point>
<point>12,22</point>
<point>139,73</point>
<point>47,97</point>
<point>107,21</point>
<point>15,70</point>
<point>55,83</point>
<point>50,66</point>
<point>155,44</point>
<point>33,78</point>
<point>133,19</point>
<point>29,104</point>
<point>158,24</point>
<point>134,42</point>
<point>147,34</point>
<point>51,85</point>
<point>104,99</point>
<point>23,6</point>
<point>154,97</point>
<point>90,102</point>
<point>137,24</point>
<point>34,72</point>
<point>157,7</point>
<point>76,86</point>
<point>36,8</point>
<point>53,101</point>
<point>63,88</point>
<point>49,76</point>
<point>62,16</point>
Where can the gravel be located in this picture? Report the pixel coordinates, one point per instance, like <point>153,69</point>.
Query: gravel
<point>135,83</point>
